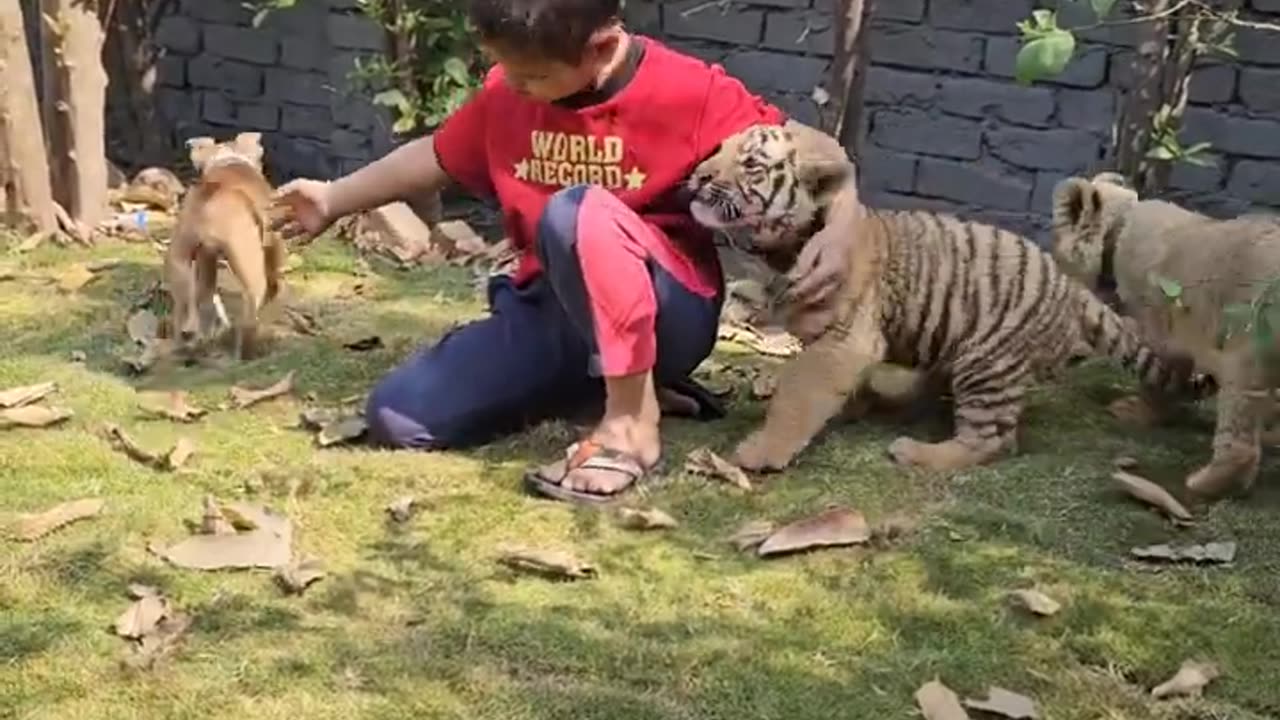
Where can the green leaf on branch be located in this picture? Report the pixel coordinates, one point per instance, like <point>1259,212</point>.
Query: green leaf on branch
<point>1044,56</point>
<point>1171,288</point>
<point>1102,8</point>
<point>456,69</point>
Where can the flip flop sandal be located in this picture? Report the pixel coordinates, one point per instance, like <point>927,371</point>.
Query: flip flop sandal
<point>709,406</point>
<point>548,480</point>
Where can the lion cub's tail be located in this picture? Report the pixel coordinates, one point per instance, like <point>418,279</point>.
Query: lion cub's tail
<point>1111,335</point>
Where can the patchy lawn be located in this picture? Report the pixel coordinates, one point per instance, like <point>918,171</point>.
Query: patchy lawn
<point>421,622</point>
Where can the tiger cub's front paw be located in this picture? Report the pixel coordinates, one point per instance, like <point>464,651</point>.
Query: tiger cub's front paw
<point>757,454</point>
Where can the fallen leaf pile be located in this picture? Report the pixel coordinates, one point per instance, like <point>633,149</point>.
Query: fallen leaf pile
<point>261,539</point>
<point>703,461</point>
<point>151,626</point>
<point>173,405</point>
<point>25,394</point>
<point>554,564</point>
<point>33,526</point>
<point>18,408</point>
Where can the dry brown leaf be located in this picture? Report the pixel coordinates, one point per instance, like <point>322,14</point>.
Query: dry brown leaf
<point>74,277</point>
<point>97,266</point>
<point>1153,495</point>
<point>33,241</point>
<point>303,323</point>
<point>35,526</point>
<point>143,327</point>
<point>125,443</point>
<point>702,461</point>
<point>137,591</point>
<point>269,546</point>
<point>341,431</point>
<point>1124,462</point>
<point>752,534</point>
<point>764,386</point>
<point>549,563</point>
<point>213,522</point>
<point>401,509</point>
<point>298,575</point>
<point>1214,552</point>
<point>142,617</point>
<point>146,358</point>
<point>939,702</point>
<point>315,418</point>
<point>172,405</point>
<point>26,394</point>
<point>1190,680</point>
<point>645,519</point>
<point>244,397</point>
<point>1037,602</point>
<point>33,416</point>
<point>834,527</point>
<point>1005,704</point>
<point>160,643</point>
<point>179,454</point>
<point>365,344</point>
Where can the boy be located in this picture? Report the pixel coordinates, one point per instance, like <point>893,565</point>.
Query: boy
<point>585,134</point>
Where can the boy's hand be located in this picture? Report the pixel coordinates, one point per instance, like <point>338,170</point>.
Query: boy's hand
<point>307,209</point>
<point>821,266</point>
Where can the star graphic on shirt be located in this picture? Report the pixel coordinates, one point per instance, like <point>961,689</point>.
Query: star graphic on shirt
<point>635,179</point>
<point>522,170</point>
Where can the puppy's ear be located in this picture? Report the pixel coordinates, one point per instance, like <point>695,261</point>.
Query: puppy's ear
<point>249,145</point>
<point>1075,202</point>
<point>822,164</point>
<point>200,149</point>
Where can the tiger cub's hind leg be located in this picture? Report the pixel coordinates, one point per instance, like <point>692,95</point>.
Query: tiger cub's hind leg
<point>988,404</point>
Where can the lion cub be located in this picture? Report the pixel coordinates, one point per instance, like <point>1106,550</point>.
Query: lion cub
<point>224,215</point>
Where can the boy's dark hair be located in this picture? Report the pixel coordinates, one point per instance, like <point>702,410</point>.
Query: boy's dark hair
<point>551,29</point>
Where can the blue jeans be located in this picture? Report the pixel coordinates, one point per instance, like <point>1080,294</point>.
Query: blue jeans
<point>533,358</point>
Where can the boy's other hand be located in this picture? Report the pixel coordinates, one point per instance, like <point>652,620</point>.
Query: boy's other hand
<point>306,206</point>
<point>821,266</point>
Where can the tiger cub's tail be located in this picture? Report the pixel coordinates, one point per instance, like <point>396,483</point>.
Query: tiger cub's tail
<point>1110,335</point>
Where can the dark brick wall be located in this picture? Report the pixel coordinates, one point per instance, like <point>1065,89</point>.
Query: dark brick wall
<point>287,78</point>
<point>946,127</point>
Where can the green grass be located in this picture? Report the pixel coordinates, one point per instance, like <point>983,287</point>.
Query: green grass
<point>421,622</point>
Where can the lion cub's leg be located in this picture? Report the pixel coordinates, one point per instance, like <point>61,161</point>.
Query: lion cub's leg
<point>248,262</point>
<point>206,289</point>
<point>988,405</point>
<point>813,388</point>
<point>1236,442</point>
<point>275,260</point>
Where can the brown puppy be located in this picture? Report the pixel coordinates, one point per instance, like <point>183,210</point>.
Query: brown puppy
<point>224,216</point>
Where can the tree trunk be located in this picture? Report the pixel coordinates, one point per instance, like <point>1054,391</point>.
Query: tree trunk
<point>140,136</point>
<point>24,171</point>
<point>842,114</point>
<point>75,107</point>
<point>1144,98</point>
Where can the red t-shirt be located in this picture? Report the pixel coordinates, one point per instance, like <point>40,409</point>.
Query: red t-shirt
<point>641,144</point>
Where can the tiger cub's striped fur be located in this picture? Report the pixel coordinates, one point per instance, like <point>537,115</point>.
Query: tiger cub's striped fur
<point>981,307</point>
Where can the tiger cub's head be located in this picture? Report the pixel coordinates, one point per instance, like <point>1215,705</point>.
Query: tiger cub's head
<point>773,182</point>
<point>1088,215</point>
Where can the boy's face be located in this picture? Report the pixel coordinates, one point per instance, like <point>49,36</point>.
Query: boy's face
<point>548,79</point>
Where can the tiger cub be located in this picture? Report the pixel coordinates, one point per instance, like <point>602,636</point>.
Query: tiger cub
<point>981,307</point>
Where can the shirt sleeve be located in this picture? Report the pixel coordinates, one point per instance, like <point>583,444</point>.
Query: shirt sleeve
<point>460,144</point>
<point>730,108</point>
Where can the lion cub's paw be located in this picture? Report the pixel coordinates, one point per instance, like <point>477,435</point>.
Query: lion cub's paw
<point>940,457</point>
<point>1222,477</point>
<point>758,455</point>
<point>1133,410</point>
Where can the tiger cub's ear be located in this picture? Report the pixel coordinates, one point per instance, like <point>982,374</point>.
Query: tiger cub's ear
<point>822,164</point>
<point>1076,202</point>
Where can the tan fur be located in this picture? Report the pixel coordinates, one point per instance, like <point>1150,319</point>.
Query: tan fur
<point>983,308</point>
<point>224,216</point>
<point>1218,263</point>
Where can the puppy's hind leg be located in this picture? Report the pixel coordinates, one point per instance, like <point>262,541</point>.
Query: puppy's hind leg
<point>247,261</point>
<point>206,293</point>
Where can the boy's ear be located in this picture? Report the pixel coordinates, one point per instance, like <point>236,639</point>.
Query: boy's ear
<point>822,163</point>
